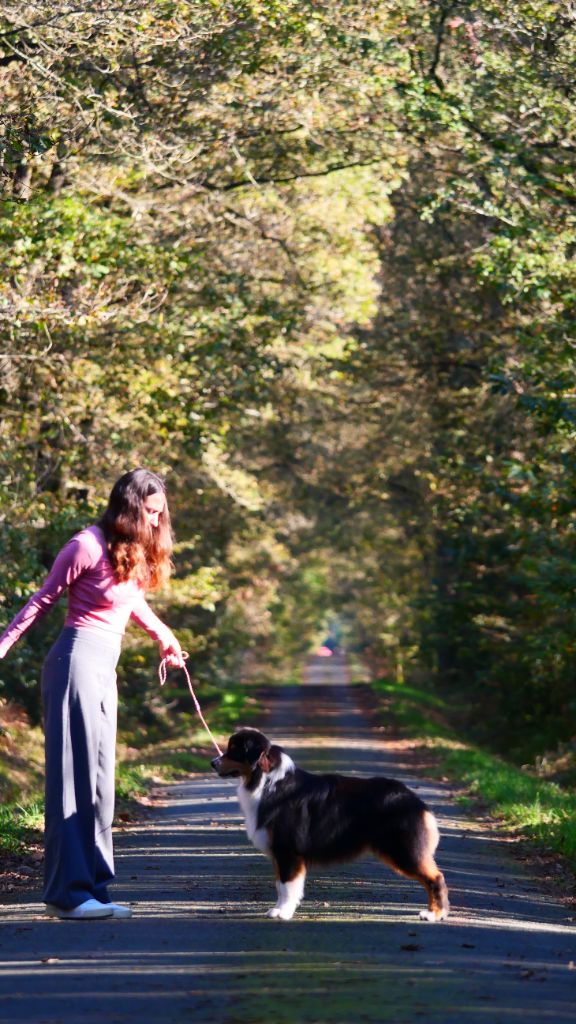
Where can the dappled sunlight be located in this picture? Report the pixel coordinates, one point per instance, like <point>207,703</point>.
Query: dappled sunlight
<point>331,954</point>
<point>356,742</point>
<point>200,938</point>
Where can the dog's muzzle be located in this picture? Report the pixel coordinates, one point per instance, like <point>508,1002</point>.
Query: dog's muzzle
<point>226,767</point>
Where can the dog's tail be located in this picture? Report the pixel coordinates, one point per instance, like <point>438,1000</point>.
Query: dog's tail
<point>431,832</point>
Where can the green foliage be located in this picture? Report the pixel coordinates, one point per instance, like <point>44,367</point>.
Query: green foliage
<point>316,265</point>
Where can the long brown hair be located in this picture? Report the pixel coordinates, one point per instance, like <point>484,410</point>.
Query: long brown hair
<point>137,550</point>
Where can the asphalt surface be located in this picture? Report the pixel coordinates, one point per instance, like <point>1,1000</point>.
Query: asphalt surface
<point>200,947</point>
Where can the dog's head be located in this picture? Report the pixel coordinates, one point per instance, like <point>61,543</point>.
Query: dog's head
<point>248,750</point>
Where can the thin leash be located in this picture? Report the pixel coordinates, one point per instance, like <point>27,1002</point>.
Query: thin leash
<point>162,672</point>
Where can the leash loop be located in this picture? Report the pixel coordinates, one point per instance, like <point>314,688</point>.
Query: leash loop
<point>162,673</point>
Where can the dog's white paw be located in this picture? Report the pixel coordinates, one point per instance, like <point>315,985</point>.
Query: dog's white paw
<point>433,915</point>
<point>281,913</point>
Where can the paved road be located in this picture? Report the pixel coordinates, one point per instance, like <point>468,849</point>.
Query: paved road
<point>199,947</point>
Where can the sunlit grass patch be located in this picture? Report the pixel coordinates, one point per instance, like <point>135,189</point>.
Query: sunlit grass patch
<point>162,763</point>
<point>20,824</point>
<point>541,810</point>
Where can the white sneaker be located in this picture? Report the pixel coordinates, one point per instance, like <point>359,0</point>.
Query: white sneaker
<point>118,910</point>
<point>86,911</point>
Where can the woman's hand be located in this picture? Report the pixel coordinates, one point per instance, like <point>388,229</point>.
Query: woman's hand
<point>172,652</point>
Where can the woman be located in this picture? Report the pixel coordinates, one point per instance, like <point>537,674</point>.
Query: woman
<point>107,569</point>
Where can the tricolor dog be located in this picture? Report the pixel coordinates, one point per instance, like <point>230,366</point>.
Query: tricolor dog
<point>299,818</point>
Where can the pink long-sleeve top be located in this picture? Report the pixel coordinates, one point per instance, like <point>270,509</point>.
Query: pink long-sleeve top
<point>95,599</point>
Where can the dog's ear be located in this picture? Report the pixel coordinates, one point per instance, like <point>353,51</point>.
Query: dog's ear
<point>270,759</point>
<point>263,761</point>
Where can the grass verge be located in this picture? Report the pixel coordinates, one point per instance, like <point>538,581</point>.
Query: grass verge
<point>519,797</point>
<point>21,780</point>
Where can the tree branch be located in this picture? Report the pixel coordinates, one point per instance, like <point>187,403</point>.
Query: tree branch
<point>433,69</point>
<point>210,187</point>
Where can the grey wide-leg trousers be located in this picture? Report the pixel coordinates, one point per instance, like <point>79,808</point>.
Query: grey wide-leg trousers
<point>80,707</point>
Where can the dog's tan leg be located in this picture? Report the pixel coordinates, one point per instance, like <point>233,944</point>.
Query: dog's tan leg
<point>431,877</point>
<point>290,888</point>
<point>433,881</point>
<point>422,867</point>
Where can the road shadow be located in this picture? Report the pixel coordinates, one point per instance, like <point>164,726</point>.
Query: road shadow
<point>200,947</point>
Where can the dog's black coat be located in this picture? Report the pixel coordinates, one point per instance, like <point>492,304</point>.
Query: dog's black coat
<point>329,818</point>
<point>300,818</point>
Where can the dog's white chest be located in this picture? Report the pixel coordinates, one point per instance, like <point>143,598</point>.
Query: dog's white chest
<point>249,803</point>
